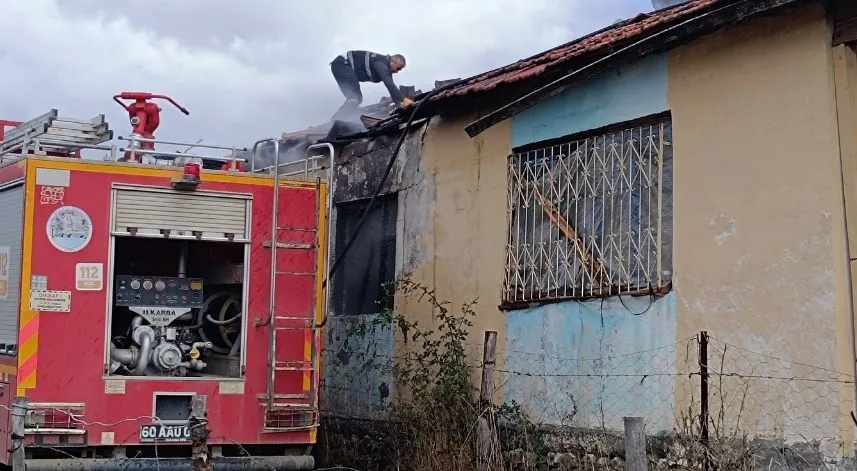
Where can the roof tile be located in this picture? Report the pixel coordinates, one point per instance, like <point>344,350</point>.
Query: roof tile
<point>533,66</point>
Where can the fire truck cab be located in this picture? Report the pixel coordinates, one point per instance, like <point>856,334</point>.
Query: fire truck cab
<point>157,306</point>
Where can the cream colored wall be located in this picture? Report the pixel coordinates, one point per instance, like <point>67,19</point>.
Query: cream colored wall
<point>462,222</point>
<point>759,249</point>
<point>845,77</point>
<point>759,244</point>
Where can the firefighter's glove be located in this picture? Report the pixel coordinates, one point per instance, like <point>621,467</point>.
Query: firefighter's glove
<point>407,102</point>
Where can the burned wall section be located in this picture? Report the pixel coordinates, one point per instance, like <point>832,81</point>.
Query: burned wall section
<point>356,382</point>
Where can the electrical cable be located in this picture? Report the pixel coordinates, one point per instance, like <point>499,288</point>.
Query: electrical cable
<point>341,256</point>
<point>651,303</point>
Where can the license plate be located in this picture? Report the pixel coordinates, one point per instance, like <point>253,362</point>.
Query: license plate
<point>164,433</point>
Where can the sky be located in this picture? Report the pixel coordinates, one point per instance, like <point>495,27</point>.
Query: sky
<point>256,68</point>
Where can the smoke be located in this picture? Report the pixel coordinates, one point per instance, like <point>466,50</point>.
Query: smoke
<point>345,121</point>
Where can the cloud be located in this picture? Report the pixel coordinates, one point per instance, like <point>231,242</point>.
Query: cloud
<point>258,68</point>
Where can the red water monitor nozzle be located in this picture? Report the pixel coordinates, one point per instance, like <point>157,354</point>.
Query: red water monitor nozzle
<point>145,116</point>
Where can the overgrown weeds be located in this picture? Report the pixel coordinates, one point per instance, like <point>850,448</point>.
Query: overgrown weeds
<point>431,417</point>
<point>431,423</point>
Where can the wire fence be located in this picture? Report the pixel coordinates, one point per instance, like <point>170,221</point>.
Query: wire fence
<point>704,400</point>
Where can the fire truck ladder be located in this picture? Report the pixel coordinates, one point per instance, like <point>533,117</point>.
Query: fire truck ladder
<point>51,134</point>
<point>287,410</point>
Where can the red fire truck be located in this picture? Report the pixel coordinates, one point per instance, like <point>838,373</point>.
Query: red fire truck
<point>149,292</point>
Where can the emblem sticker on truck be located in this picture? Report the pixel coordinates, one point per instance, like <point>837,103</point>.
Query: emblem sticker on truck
<point>51,195</point>
<point>89,276</point>
<point>164,433</point>
<point>69,229</point>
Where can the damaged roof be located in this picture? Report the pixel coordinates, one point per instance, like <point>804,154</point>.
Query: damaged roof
<point>604,39</point>
<point>675,24</point>
<point>626,41</point>
<point>363,118</point>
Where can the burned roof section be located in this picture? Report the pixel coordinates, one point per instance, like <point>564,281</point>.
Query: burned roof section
<point>548,72</point>
<point>351,124</point>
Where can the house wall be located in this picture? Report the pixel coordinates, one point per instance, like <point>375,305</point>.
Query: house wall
<point>358,348</point>
<point>570,339</point>
<point>759,246</point>
<point>622,94</point>
<point>462,224</point>
<point>584,362</point>
<point>739,273</point>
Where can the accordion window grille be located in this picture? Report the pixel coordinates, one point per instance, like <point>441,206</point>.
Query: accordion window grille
<point>591,217</point>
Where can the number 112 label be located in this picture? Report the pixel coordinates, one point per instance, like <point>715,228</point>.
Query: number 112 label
<point>89,276</point>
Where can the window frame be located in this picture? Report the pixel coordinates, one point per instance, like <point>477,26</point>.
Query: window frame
<point>533,199</point>
<point>386,209</point>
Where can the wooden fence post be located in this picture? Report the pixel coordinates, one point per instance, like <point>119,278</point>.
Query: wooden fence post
<point>18,422</point>
<point>489,360</point>
<point>703,397</point>
<point>199,435</point>
<point>485,439</point>
<point>635,444</point>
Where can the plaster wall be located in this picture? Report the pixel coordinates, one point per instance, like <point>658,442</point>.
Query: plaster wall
<point>759,241</point>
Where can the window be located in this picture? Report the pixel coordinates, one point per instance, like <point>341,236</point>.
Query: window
<point>591,216</point>
<point>844,22</point>
<point>371,260</point>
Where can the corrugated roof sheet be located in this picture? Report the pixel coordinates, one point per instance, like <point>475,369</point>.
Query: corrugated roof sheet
<point>633,28</point>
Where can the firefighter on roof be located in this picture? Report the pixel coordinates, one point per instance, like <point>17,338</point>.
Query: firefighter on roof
<point>353,67</point>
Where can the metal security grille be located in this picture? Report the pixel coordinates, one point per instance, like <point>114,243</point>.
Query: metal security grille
<point>150,212</point>
<point>591,217</point>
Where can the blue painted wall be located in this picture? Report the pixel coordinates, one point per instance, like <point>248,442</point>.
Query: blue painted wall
<point>589,364</point>
<point>629,92</point>
<point>357,379</point>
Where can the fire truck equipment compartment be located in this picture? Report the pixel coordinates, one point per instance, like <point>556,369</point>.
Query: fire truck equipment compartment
<point>176,314</point>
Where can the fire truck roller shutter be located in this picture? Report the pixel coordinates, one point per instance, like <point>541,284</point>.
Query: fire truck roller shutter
<point>150,211</point>
<point>11,234</point>
<point>178,314</point>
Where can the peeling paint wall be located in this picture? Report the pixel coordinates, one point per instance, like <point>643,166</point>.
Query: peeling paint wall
<point>759,253</point>
<point>588,364</point>
<point>460,234</point>
<point>759,247</point>
<point>356,347</point>
<point>451,237</point>
<point>353,385</point>
<point>622,94</point>
<point>567,345</point>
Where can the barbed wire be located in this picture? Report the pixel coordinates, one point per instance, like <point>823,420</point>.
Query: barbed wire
<point>748,393</point>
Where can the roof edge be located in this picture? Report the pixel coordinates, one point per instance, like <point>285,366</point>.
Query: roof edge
<point>687,31</point>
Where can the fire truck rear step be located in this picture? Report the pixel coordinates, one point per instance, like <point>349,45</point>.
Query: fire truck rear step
<point>296,229</point>
<point>288,418</point>
<point>283,245</point>
<point>294,365</point>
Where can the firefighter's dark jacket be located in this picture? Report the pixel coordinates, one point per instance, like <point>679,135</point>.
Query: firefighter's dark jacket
<point>372,67</point>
